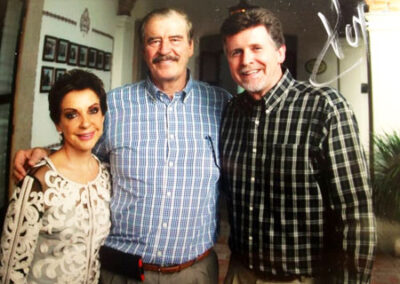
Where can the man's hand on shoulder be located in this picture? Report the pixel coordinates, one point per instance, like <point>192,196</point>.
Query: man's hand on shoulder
<point>26,159</point>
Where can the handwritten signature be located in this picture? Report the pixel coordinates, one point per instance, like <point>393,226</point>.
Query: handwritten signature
<point>352,38</point>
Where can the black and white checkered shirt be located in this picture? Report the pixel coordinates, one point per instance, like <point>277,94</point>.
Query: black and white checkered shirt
<point>297,183</point>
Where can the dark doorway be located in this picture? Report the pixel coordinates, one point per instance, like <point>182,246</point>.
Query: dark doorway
<point>11,13</point>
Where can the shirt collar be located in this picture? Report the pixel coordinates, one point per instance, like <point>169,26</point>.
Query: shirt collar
<point>271,98</point>
<point>156,94</point>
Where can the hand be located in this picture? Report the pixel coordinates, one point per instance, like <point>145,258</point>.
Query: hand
<point>25,160</point>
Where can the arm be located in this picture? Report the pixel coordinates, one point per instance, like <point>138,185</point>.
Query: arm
<point>20,231</point>
<point>350,196</point>
<point>26,159</point>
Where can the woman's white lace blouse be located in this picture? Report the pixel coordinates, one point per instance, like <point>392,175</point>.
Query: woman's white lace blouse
<point>53,234</point>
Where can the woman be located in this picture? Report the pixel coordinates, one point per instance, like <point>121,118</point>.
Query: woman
<point>59,215</point>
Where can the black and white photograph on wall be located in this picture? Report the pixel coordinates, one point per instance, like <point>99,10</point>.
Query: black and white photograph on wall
<point>49,48</point>
<point>92,58</point>
<point>59,72</point>
<point>83,56</point>
<point>100,60</point>
<point>107,61</point>
<point>46,79</point>
<point>73,54</point>
<point>62,50</point>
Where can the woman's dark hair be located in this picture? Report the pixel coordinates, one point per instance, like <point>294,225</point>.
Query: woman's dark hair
<point>240,21</point>
<point>75,80</point>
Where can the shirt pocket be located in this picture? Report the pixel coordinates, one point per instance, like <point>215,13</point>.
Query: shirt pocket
<point>213,147</point>
<point>287,158</point>
<point>288,167</point>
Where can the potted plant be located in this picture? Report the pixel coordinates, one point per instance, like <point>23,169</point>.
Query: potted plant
<point>386,185</point>
<point>386,192</point>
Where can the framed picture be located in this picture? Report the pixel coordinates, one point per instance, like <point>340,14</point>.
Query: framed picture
<point>58,73</point>
<point>92,58</point>
<point>107,61</point>
<point>73,54</point>
<point>49,48</point>
<point>46,79</point>
<point>100,60</point>
<point>83,56</point>
<point>62,50</point>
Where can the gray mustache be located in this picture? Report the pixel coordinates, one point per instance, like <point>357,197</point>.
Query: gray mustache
<point>164,57</point>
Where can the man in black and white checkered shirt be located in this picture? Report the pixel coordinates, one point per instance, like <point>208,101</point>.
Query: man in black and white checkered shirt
<point>294,171</point>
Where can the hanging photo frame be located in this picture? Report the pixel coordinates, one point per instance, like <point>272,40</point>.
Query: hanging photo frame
<point>83,56</point>
<point>73,54</point>
<point>46,79</point>
<point>49,48</point>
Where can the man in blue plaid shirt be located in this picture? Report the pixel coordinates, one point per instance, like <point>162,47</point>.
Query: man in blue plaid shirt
<point>161,140</point>
<point>293,169</point>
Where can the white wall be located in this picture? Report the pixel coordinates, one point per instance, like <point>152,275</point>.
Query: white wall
<point>385,61</point>
<point>102,14</point>
<point>123,51</point>
<point>350,87</point>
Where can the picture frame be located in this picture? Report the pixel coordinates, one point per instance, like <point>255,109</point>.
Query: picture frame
<point>49,48</point>
<point>62,50</point>
<point>83,56</point>
<point>58,73</point>
<point>46,79</point>
<point>92,57</point>
<point>107,61</point>
<point>73,54</point>
<point>100,60</point>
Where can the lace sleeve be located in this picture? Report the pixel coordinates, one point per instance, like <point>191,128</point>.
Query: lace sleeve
<point>20,231</point>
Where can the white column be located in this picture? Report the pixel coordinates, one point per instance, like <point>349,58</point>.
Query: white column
<point>123,52</point>
<point>384,28</point>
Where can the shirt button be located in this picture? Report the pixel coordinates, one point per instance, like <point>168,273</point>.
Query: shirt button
<point>257,122</point>
<point>251,266</point>
<point>251,208</point>
<point>252,179</point>
<point>164,225</point>
<point>170,164</point>
<point>254,150</point>
<point>159,253</point>
<point>168,193</point>
<point>172,136</point>
<point>250,238</point>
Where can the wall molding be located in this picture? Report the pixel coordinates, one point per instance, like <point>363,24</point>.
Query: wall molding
<point>75,23</point>
<point>59,17</point>
<point>102,33</point>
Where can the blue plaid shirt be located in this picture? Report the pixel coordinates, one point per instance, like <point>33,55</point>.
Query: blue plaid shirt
<point>165,169</point>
